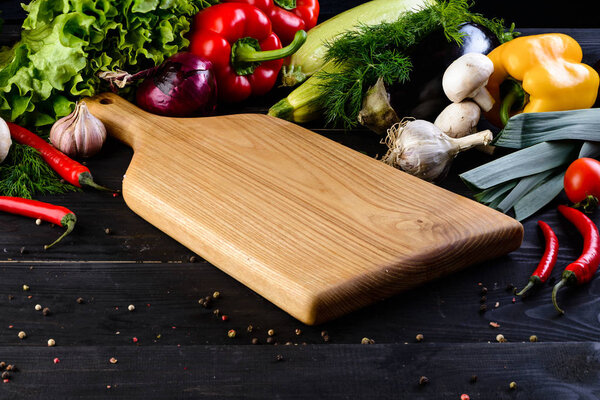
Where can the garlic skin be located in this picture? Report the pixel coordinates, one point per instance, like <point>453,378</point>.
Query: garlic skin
<point>421,149</point>
<point>79,134</point>
<point>5,140</point>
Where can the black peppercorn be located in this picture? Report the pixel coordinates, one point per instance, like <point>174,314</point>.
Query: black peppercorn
<point>255,341</point>
<point>2,365</point>
<point>270,340</point>
<point>6,375</point>
<point>484,290</point>
<point>473,379</point>
<point>278,357</point>
<point>79,300</point>
<point>423,380</point>
<point>482,308</point>
<point>46,311</point>
<point>483,299</point>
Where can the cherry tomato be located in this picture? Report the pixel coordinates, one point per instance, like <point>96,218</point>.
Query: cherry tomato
<point>582,180</point>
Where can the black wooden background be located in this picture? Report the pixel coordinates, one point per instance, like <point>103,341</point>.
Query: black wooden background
<point>172,347</point>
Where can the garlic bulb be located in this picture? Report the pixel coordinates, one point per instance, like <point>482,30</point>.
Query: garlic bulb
<point>5,140</point>
<point>79,134</point>
<point>423,150</point>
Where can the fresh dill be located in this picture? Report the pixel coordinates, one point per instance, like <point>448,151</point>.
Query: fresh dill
<point>358,58</point>
<point>24,173</point>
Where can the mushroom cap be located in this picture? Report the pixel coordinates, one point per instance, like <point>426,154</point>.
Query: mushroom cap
<point>466,76</point>
<point>459,119</point>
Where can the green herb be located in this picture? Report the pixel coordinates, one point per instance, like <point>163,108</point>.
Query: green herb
<point>25,173</point>
<point>364,55</point>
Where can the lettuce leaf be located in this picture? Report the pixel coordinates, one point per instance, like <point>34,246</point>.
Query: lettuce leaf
<point>65,43</point>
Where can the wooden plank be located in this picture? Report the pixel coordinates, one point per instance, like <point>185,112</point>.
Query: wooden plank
<point>569,370</point>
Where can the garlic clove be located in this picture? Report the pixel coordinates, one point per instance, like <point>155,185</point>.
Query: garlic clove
<point>5,140</point>
<point>79,134</point>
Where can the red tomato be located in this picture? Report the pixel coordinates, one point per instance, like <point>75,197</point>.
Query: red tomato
<point>582,179</point>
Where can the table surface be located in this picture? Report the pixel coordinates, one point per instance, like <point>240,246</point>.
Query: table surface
<point>172,347</point>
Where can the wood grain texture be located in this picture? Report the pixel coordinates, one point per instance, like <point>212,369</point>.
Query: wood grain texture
<point>316,228</point>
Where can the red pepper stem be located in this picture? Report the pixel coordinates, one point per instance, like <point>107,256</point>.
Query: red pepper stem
<point>248,54</point>
<point>554,291</point>
<point>533,280</point>
<point>67,221</point>
<point>85,179</point>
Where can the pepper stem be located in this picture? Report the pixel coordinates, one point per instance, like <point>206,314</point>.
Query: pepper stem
<point>246,54</point>
<point>530,284</point>
<point>513,96</point>
<point>560,284</point>
<point>68,221</point>
<point>86,179</point>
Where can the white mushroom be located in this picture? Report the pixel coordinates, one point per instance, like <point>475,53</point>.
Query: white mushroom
<point>459,119</point>
<point>5,140</point>
<point>466,78</point>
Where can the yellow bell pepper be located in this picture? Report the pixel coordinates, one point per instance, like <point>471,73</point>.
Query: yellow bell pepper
<point>539,73</point>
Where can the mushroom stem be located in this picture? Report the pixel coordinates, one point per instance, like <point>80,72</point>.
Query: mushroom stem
<point>476,139</point>
<point>484,99</point>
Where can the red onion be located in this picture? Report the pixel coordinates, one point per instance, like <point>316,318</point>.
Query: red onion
<point>184,85</point>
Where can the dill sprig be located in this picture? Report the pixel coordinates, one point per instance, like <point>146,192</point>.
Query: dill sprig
<point>25,173</point>
<point>356,59</point>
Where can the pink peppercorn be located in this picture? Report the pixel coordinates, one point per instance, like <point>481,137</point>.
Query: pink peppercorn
<point>135,340</point>
<point>464,397</point>
<point>56,360</point>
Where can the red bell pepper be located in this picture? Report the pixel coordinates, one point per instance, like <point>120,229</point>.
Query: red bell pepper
<point>287,16</point>
<point>246,54</point>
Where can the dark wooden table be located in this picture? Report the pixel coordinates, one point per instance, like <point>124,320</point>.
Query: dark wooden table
<point>172,347</point>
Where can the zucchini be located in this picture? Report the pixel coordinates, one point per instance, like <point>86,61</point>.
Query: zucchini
<point>310,57</point>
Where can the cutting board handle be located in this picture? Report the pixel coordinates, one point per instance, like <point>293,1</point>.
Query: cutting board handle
<point>110,108</point>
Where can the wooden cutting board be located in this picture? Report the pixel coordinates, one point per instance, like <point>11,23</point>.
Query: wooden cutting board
<point>316,228</point>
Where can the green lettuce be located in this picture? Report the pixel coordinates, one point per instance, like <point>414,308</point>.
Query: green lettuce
<point>65,43</point>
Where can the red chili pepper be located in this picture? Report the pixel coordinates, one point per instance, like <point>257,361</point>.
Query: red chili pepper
<point>546,264</point>
<point>70,170</point>
<point>583,269</point>
<point>287,16</point>
<point>582,183</point>
<point>36,209</point>
<point>238,39</point>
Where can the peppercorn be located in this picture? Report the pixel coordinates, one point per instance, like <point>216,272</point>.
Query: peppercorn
<point>483,290</point>
<point>38,307</point>
<point>113,360</point>
<point>2,365</point>
<point>423,380</point>
<point>6,375</point>
<point>270,332</point>
<point>46,311</point>
<point>326,338</point>
<point>51,343</point>
<point>79,300</point>
<point>217,312</point>
<point>482,308</point>
<point>483,299</point>
<point>255,341</point>
<point>500,338</point>
<point>231,333</point>
<point>193,259</point>
<point>512,385</point>
<point>22,335</point>
<point>278,357</point>
<point>473,379</point>
<point>11,367</point>
<point>298,332</point>
<point>533,338</point>
<point>224,317</point>
<point>249,329</point>
<point>465,396</point>
<point>216,295</point>
<point>365,340</point>
<point>270,340</point>
<point>107,231</point>
<point>323,333</point>
<point>25,288</point>
<point>419,337</point>
<point>23,250</point>
<point>131,307</point>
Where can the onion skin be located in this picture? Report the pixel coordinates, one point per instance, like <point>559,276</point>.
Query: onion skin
<point>182,86</point>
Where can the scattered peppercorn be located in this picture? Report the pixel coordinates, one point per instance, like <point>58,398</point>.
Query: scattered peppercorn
<point>512,385</point>
<point>11,367</point>
<point>23,250</point>
<point>483,290</point>
<point>113,360</point>
<point>500,338</point>
<point>533,338</point>
<point>56,360</point>
<point>25,288</point>
<point>224,317</point>
<point>134,339</point>
<point>298,332</point>
<point>364,340</point>
<point>270,340</point>
<point>107,231</point>
<point>464,396</point>
<point>270,332</point>
<point>255,341</point>
<point>494,324</point>
<point>216,295</point>
<point>38,221</point>
<point>2,365</point>
<point>473,379</point>
<point>482,308</point>
<point>51,343</point>
<point>324,333</point>
<point>38,307</point>
<point>497,304</point>
<point>423,380</point>
<point>278,357</point>
<point>46,311</point>
<point>483,299</point>
<point>231,333</point>
<point>131,307</point>
<point>6,375</point>
<point>326,338</point>
<point>22,335</point>
<point>193,259</point>
<point>79,300</point>
<point>419,337</point>
<point>10,297</point>
<point>514,300</point>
